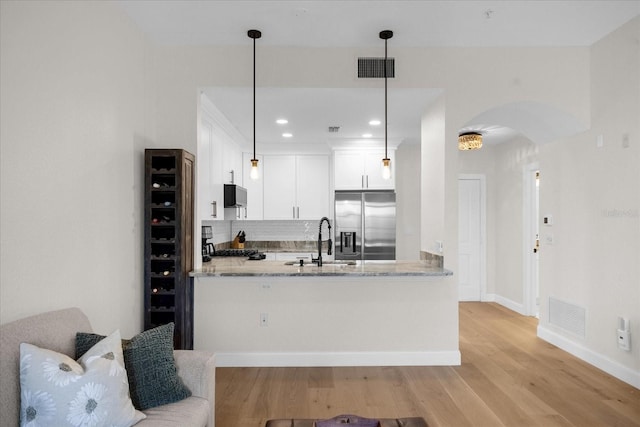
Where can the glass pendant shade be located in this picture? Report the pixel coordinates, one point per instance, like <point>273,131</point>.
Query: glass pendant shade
<point>386,168</point>
<point>254,169</point>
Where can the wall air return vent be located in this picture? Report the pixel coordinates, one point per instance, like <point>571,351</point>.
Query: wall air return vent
<point>374,68</point>
<point>334,129</point>
<point>570,317</point>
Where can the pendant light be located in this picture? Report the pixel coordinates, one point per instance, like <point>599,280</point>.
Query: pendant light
<point>254,34</point>
<point>386,162</point>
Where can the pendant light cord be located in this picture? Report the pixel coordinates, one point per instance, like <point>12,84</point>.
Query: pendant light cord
<point>254,98</point>
<point>385,99</point>
<point>385,35</point>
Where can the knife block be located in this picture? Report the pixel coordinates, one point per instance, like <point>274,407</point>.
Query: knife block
<point>236,244</point>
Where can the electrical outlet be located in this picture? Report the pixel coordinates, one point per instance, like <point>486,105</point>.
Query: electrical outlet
<point>624,339</point>
<point>264,319</point>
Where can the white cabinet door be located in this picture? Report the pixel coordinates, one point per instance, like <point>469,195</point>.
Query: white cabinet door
<point>254,209</point>
<point>210,191</point>
<point>362,170</point>
<point>279,173</point>
<point>373,170</point>
<point>312,187</point>
<point>296,187</point>
<point>348,170</point>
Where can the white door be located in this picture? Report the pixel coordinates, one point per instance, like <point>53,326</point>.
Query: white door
<point>531,238</point>
<point>469,238</point>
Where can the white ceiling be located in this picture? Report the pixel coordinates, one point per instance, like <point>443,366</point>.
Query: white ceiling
<point>355,24</point>
<point>310,111</point>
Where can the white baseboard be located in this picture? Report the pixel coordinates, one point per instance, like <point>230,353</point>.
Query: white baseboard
<point>599,361</point>
<point>427,358</point>
<point>488,298</point>
<point>511,305</point>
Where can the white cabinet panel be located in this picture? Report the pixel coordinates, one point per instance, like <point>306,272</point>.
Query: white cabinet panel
<point>210,190</point>
<point>373,170</point>
<point>296,187</point>
<point>279,187</point>
<point>362,170</point>
<point>312,187</point>
<point>349,170</point>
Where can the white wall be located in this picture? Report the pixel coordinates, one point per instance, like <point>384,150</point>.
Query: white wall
<point>594,196</point>
<point>408,181</point>
<point>76,113</point>
<point>319,321</point>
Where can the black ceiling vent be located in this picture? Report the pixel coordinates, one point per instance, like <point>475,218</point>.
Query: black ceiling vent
<point>374,68</point>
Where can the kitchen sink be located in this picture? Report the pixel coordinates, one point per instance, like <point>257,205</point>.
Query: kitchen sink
<point>306,263</point>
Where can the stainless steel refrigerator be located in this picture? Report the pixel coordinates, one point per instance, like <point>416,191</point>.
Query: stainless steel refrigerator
<point>365,225</point>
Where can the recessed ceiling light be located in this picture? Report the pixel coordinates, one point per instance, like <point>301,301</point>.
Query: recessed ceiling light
<point>374,122</point>
<point>282,121</point>
<point>287,135</point>
<point>366,135</point>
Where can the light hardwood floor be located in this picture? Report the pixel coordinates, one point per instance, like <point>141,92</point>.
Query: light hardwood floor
<point>508,377</point>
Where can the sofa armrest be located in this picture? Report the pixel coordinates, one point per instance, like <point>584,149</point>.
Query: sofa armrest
<point>197,369</point>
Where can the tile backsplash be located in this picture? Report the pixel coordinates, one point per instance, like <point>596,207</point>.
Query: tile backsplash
<point>277,230</point>
<point>268,230</point>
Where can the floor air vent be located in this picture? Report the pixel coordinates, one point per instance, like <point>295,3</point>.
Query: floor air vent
<point>374,68</point>
<point>334,129</point>
<point>567,316</point>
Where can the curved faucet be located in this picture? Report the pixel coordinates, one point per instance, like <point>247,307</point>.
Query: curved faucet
<point>329,241</point>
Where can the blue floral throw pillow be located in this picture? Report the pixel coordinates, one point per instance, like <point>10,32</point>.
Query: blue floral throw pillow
<point>55,390</point>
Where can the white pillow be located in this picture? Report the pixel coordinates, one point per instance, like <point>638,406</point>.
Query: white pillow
<point>93,392</point>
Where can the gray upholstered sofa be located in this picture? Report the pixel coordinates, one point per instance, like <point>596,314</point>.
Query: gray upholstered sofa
<point>56,330</point>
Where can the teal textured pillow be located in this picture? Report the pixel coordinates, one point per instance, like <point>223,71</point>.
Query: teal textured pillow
<point>151,368</point>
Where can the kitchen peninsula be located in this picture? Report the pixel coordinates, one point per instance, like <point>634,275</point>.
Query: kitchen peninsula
<point>269,313</point>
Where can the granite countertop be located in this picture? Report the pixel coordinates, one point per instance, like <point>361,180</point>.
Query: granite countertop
<point>242,267</point>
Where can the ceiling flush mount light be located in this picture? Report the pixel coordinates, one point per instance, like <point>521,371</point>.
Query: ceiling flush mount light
<point>386,162</point>
<point>287,135</point>
<point>470,141</point>
<point>367,135</point>
<point>374,122</point>
<point>282,121</point>
<point>254,34</point>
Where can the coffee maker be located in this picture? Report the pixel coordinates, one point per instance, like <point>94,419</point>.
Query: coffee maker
<point>207,248</point>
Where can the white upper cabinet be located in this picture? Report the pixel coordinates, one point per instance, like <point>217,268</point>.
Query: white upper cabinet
<point>210,191</point>
<point>362,169</point>
<point>312,190</point>
<point>218,155</point>
<point>296,187</point>
<point>279,173</point>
